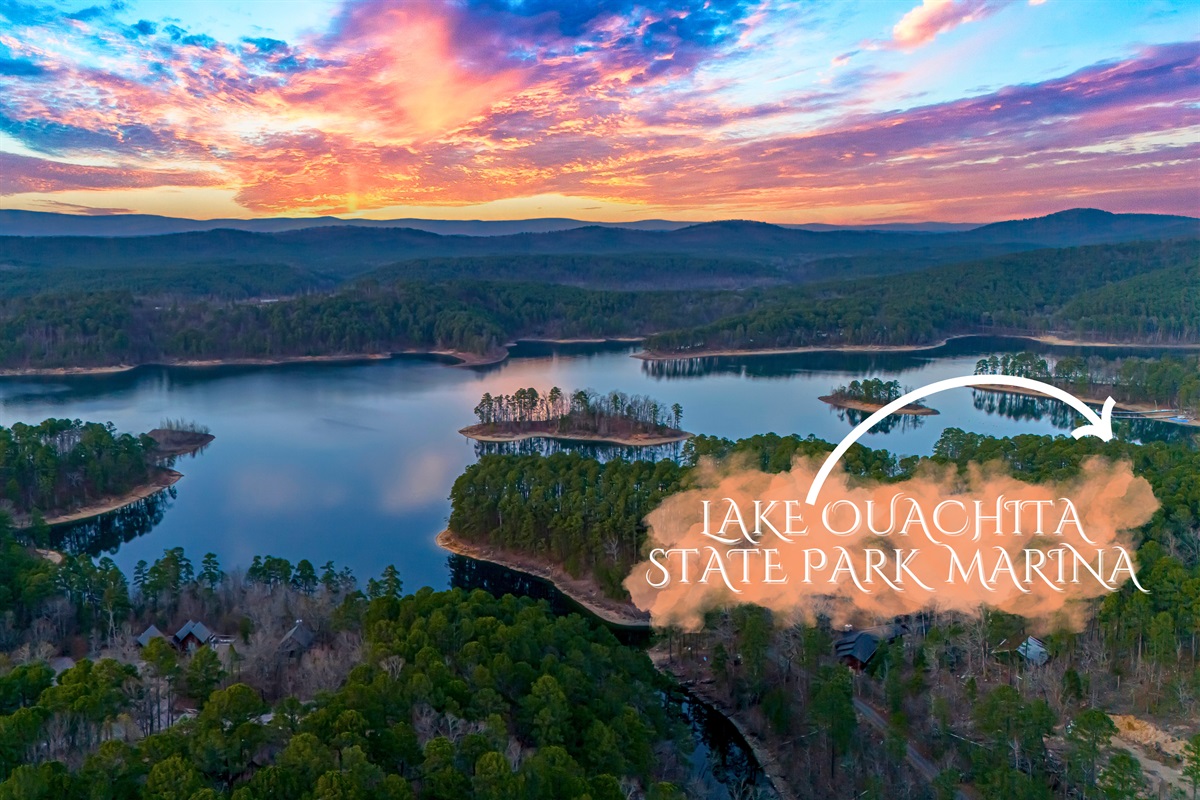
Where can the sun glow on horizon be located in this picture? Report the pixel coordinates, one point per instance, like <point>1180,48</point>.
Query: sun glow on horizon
<point>954,110</point>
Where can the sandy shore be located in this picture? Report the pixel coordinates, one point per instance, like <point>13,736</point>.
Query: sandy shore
<point>583,591</point>
<point>163,478</point>
<point>1056,340</point>
<point>480,434</point>
<point>654,355</point>
<point>602,340</point>
<point>275,362</point>
<point>466,360</point>
<point>64,371</point>
<point>911,409</point>
<point>200,363</point>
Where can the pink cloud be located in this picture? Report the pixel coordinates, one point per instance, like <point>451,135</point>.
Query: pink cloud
<point>424,104</point>
<point>924,23</point>
<point>28,174</point>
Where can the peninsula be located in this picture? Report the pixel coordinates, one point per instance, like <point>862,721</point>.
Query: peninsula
<point>86,469</point>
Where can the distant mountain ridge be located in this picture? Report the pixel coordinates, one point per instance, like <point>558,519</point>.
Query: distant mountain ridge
<point>727,252</point>
<point>16,222</point>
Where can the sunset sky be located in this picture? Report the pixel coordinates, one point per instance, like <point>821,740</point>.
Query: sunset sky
<point>957,110</point>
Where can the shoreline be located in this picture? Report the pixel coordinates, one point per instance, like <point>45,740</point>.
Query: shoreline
<point>911,409</point>
<point>768,760</point>
<point>464,358</point>
<point>467,359</point>
<point>582,340</point>
<point>1141,409</point>
<point>164,479</point>
<point>582,591</point>
<point>624,615</point>
<point>722,352</point>
<point>635,440</point>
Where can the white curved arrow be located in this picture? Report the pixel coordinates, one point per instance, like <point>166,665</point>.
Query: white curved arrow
<point>1099,424</point>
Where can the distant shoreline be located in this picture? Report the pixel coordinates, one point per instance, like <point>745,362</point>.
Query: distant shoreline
<point>468,359</point>
<point>583,591</point>
<point>912,409</point>
<point>463,357</point>
<point>660,355</point>
<point>480,434</point>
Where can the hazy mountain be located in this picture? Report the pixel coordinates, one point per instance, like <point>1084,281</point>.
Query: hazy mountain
<point>726,253</point>
<point>41,223</point>
<point>1079,226</point>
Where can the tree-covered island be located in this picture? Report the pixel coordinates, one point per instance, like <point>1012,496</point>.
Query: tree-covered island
<point>582,414</point>
<point>873,394</point>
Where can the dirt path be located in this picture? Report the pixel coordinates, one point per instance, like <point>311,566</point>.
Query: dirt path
<point>916,759</point>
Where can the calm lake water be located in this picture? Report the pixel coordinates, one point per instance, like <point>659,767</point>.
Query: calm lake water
<point>353,462</point>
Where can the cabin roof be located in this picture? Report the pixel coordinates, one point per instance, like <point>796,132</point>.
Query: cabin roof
<point>148,634</point>
<point>858,645</point>
<point>300,635</point>
<point>193,628</point>
<point>1034,650</point>
<point>861,645</point>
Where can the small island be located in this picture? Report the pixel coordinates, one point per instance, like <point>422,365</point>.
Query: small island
<point>177,437</point>
<point>62,471</point>
<point>872,395</point>
<point>582,415</point>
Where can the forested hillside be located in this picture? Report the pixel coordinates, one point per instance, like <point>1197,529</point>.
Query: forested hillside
<point>438,695</point>
<point>1079,292</point>
<point>1145,292</point>
<point>276,260</point>
<point>955,684</point>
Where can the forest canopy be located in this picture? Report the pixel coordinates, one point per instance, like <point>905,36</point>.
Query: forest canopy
<point>1079,292</point>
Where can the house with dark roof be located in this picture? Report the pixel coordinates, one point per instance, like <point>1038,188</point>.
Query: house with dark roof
<point>1034,651</point>
<point>192,635</point>
<point>297,640</point>
<point>150,633</point>
<point>856,648</point>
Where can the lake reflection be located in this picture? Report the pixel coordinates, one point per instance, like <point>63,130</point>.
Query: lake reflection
<point>353,462</point>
